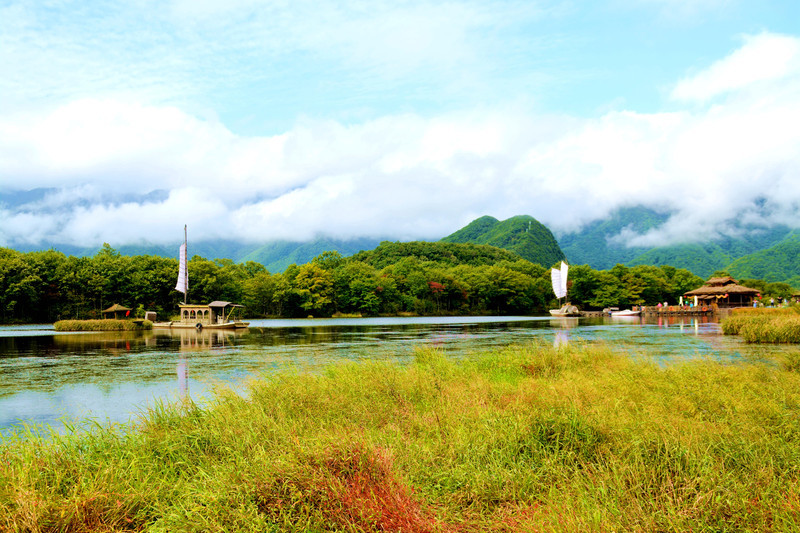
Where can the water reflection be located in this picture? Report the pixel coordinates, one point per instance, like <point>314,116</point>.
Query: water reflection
<point>111,376</point>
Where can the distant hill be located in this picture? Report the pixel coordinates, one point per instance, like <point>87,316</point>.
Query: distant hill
<point>389,253</point>
<point>592,245</point>
<point>595,245</point>
<point>275,255</point>
<point>278,255</point>
<point>780,262</point>
<point>523,234</point>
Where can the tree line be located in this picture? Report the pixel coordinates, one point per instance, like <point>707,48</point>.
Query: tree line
<point>395,278</point>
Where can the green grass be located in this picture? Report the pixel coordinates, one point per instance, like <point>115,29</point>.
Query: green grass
<point>765,325</point>
<point>102,325</point>
<point>528,438</point>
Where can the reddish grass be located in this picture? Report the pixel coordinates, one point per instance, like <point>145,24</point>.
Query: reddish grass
<point>351,488</point>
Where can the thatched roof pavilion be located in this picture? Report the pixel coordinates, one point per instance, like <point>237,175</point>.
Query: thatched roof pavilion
<point>725,292</point>
<point>118,311</point>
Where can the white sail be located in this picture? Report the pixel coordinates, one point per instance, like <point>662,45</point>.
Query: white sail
<point>564,270</point>
<point>183,272</point>
<point>558,286</point>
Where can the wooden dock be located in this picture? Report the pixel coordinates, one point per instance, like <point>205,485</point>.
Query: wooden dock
<point>672,311</point>
<point>680,310</point>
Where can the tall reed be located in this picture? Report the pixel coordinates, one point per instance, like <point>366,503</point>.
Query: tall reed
<point>767,325</point>
<point>526,438</point>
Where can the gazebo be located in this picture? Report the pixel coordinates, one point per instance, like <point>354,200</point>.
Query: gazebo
<point>724,292</point>
<point>117,311</point>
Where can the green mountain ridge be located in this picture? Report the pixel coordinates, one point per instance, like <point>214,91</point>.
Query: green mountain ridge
<point>780,262</point>
<point>522,234</point>
<point>596,246</point>
<point>771,254</point>
<point>449,253</point>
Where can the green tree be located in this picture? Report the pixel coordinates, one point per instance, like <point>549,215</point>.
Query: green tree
<point>314,286</point>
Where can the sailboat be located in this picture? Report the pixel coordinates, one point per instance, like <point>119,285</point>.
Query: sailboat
<point>559,280</point>
<point>216,315</point>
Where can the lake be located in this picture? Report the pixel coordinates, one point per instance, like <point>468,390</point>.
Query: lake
<point>49,377</point>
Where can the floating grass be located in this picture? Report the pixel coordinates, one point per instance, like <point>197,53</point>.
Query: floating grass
<point>108,324</point>
<point>527,438</point>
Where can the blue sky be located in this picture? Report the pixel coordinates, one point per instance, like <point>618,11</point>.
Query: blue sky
<point>403,120</point>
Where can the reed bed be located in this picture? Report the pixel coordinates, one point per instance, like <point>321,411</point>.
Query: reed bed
<point>527,438</point>
<point>108,324</point>
<point>765,325</point>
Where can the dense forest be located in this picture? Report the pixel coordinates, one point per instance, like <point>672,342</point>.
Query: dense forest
<point>395,278</point>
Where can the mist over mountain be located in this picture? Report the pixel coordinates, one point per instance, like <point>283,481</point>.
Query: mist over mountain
<point>603,243</point>
<point>748,251</point>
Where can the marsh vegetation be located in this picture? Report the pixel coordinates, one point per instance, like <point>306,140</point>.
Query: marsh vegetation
<point>526,437</point>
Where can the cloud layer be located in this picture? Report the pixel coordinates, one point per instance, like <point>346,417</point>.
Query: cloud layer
<point>124,167</point>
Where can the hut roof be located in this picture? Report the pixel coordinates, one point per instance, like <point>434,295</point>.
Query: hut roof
<point>718,282</point>
<point>717,289</point>
<point>116,307</point>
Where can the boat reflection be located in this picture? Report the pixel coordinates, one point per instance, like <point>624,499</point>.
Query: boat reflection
<point>192,340</point>
<point>561,339</point>
<point>564,322</point>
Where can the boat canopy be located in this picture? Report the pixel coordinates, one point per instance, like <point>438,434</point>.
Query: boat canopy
<point>218,303</point>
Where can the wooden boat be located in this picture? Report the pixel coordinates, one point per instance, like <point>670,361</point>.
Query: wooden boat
<point>566,310</point>
<point>559,280</point>
<point>216,315</point>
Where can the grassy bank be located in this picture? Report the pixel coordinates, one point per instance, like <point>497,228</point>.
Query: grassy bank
<point>525,439</point>
<point>767,325</point>
<point>102,325</point>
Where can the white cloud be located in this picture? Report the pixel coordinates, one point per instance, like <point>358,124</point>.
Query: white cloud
<point>408,176</point>
<point>763,58</point>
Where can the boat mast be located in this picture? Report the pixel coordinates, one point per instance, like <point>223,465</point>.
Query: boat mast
<point>186,266</point>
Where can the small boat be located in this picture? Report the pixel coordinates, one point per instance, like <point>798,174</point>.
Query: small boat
<point>559,280</point>
<point>625,312</point>
<point>566,310</point>
<point>216,315</point>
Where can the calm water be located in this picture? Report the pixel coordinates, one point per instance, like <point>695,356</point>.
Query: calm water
<point>47,378</point>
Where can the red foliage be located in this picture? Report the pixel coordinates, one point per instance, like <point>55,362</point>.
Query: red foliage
<point>350,488</point>
<point>435,286</point>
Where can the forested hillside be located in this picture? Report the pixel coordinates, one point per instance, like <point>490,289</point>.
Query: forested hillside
<point>777,263</point>
<point>395,278</point>
<point>278,255</point>
<point>521,234</point>
<point>450,254</point>
<point>599,245</point>
<point>594,244</point>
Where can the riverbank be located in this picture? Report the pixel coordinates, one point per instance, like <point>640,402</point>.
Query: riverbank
<point>525,438</point>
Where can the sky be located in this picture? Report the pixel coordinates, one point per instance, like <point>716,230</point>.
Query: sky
<point>250,120</point>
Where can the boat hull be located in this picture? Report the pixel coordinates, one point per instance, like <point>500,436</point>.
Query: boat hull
<point>187,325</point>
<point>625,313</point>
<point>566,310</point>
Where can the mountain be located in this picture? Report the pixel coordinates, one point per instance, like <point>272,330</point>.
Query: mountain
<point>780,262</point>
<point>598,244</point>
<point>278,255</point>
<point>594,245</point>
<point>275,255</point>
<point>522,234</point>
<point>389,253</point>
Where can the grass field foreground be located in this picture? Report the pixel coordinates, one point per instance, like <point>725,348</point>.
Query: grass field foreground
<point>528,438</point>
